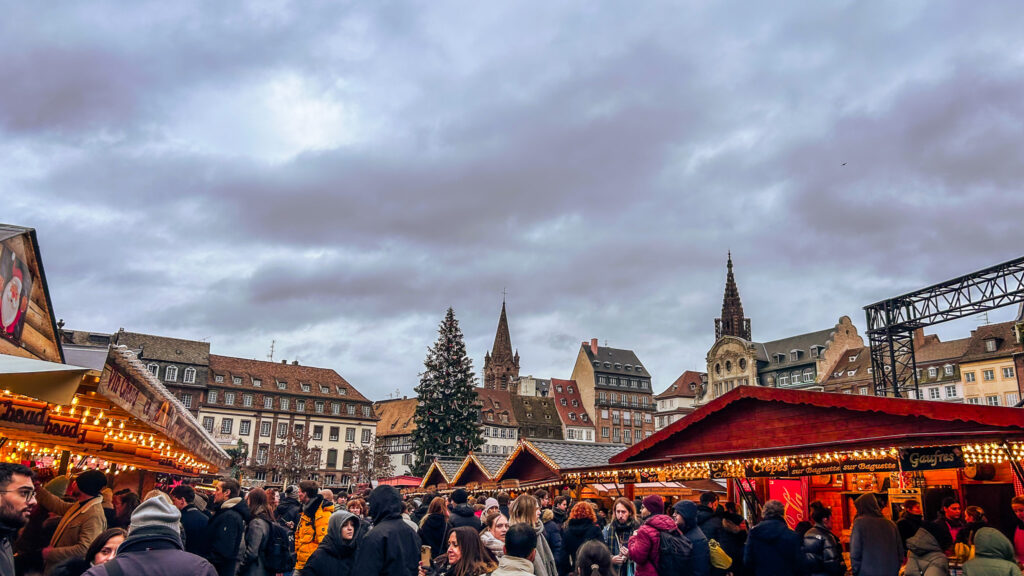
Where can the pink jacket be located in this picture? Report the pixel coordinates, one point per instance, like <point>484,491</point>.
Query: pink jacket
<point>643,546</point>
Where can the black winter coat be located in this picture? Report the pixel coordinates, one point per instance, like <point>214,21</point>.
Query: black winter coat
<point>908,525</point>
<point>823,555</point>
<point>432,533</point>
<point>334,556</point>
<point>224,535</point>
<point>463,515</point>
<point>773,549</point>
<point>391,547</point>
<point>194,522</point>
<point>288,510</point>
<point>155,552</point>
<point>578,531</point>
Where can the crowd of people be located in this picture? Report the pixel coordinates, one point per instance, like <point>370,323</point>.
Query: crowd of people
<point>56,526</point>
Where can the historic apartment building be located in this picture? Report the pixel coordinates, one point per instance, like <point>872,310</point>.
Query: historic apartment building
<point>501,365</point>
<point>395,424</point>
<point>537,417</point>
<point>616,388</point>
<point>181,365</point>
<point>987,368</point>
<point>577,424</point>
<point>678,399</point>
<point>269,406</point>
<point>498,421</point>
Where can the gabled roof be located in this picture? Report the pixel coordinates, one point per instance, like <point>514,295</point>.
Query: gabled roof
<point>540,459</point>
<point>270,373</point>
<point>614,357</point>
<point>682,388</point>
<point>1002,332</point>
<point>163,348</point>
<point>935,350</point>
<point>396,416</point>
<point>498,402</point>
<point>751,421</point>
<point>848,371</point>
<point>441,470</point>
<point>560,391</point>
<point>539,413</point>
<point>478,467</point>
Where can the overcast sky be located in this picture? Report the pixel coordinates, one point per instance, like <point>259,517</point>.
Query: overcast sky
<point>332,176</point>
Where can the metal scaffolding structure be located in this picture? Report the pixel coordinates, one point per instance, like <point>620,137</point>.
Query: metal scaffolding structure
<point>891,323</point>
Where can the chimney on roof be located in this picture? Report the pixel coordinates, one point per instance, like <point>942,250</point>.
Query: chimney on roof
<point>593,346</point>
<point>283,361</point>
<point>918,338</point>
<point>295,362</point>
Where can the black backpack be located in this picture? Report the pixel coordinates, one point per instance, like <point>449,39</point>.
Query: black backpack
<point>673,553</point>
<point>279,550</point>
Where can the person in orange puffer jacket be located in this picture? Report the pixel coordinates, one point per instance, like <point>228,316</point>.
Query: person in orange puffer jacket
<point>316,513</point>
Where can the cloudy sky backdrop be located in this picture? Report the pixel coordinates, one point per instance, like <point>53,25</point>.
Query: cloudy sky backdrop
<point>334,175</point>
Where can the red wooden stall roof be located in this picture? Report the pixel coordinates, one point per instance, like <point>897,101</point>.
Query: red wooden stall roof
<point>754,421</point>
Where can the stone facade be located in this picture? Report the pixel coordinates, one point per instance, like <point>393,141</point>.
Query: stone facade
<point>501,365</point>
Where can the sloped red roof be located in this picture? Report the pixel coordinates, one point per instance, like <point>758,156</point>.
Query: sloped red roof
<point>681,388</point>
<point>560,391</point>
<point>751,419</point>
<point>499,403</point>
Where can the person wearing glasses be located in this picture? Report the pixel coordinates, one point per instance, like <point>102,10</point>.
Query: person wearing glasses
<point>17,497</point>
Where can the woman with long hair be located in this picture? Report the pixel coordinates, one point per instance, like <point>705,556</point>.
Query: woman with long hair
<point>102,550</point>
<point>579,528</point>
<point>125,502</point>
<point>256,534</point>
<point>526,509</point>
<point>617,533</point>
<point>593,559</point>
<point>434,526</point>
<point>493,536</point>
<point>465,556</point>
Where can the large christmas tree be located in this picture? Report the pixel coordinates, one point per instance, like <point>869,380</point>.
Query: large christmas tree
<point>447,417</point>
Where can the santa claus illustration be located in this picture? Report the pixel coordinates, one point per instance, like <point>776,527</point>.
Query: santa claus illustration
<point>10,302</point>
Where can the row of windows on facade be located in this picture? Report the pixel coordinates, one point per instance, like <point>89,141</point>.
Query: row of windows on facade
<point>276,477</point>
<point>189,377</point>
<point>319,406</point>
<point>623,435</point>
<point>1009,399</point>
<point>495,432</point>
<point>628,367</point>
<point>171,373</point>
<point>348,457</point>
<point>245,427</point>
<point>795,355</point>
<point>627,417</point>
<point>669,419</point>
<point>574,434</point>
<point>622,382</point>
<point>613,397</point>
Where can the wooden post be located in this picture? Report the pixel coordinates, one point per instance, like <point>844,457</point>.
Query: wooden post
<point>630,490</point>
<point>65,459</point>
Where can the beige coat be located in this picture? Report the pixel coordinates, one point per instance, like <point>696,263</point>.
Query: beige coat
<point>79,525</point>
<point>512,566</point>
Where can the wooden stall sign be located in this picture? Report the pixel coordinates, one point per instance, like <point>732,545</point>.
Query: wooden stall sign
<point>934,458</point>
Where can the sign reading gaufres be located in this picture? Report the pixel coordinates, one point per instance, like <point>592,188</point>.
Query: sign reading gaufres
<point>933,458</point>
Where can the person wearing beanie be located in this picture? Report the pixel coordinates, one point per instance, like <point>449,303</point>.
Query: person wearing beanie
<point>81,520</point>
<point>153,546</point>
<point>643,546</point>
<point>488,504</point>
<point>686,516</point>
<point>773,548</point>
<point>462,513</point>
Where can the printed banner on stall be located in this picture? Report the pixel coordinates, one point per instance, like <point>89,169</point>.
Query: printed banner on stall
<point>143,403</point>
<point>934,458</point>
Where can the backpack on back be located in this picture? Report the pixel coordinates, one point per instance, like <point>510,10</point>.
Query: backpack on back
<point>673,553</point>
<point>279,551</point>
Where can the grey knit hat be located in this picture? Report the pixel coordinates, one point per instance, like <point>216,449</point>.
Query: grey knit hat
<point>155,513</point>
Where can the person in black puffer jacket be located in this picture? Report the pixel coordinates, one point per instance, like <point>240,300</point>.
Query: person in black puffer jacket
<point>463,514</point>
<point>910,521</point>
<point>289,510</point>
<point>337,551</point>
<point>772,548</point>
<point>434,527</point>
<point>580,528</point>
<point>823,555</point>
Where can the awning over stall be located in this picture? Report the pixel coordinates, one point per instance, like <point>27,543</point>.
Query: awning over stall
<point>538,461</point>
<point>478,469</point>
<point>47,381</point>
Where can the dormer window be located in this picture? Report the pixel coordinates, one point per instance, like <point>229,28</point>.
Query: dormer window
<point>257,383</point>
<point>851,373</point>
<point>497,405</point>
<point>583,417</point>
<point>282,385</point>
<point>154,369</point>
<point>597,364</point>
<point>949,369</point>
<point>575,403</point>
<point>794,355</point>
<point>780,358</point>
<point>341,391</point>
<point>815,351</point>
<point>570,390</point>
<point>306,387</point>
<point>618,366</point>
<point>572,415</point>
<point>236,380</point>
<point>324,389</point>
<point>216,378</point>
<point>854,358</point>
<point>558,388</point>
<point>933,372</point>
<point>693,386</point>
<point>629,367</point>
<point>990,345</point>
<point>563,402</point>
<point>607,365</point>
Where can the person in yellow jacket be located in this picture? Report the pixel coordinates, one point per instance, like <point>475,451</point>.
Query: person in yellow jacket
<point>312,523</point>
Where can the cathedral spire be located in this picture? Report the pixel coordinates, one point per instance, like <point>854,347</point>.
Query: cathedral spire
<point>501,366</point>
<point>732,322</point>
<point>502,341</point>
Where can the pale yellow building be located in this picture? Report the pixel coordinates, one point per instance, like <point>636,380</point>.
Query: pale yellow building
<point>987,371</point>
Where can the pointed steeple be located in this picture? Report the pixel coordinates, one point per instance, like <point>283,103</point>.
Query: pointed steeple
<point>732,322</point>
<point>502,341</point>
<point>501,366</point>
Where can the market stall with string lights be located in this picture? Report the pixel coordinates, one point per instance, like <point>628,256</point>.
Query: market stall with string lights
<point>799,446</point>
<point>111,415</point>
<point>478,471</point>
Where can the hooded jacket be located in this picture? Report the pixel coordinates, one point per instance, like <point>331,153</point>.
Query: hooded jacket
<point>993,555</point>
<point>823,555</point>
<point>334,556</point>
<point>464,515</point>
<point>577,531</point>
<point>643,546</point>
<point>155,551</point>
<point>925,556</point>
<point>908,525</point>
<point>224,535</point>
<point>876,548</point>
<point>435,527</point>
<point>773,549</point>
<point>287,511</point>
<point>700,555</point>
<point>311,529</point>
<point>553,531</point>
<point>390,548</point>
